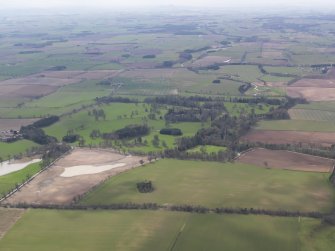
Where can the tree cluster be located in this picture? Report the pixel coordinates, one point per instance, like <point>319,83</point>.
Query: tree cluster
<point>129,131</point>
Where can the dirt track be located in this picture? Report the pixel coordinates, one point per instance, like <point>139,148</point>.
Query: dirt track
<point>290,137</point>
<point>50,188</point>
<point>286,160</point>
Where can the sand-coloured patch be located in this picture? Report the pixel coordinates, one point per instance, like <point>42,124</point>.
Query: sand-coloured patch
<point>312,93</point>
<point>10,166</point>
<point>88,169</point>
<point>50,187</point>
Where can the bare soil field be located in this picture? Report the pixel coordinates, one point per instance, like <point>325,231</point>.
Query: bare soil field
<point>26,91</point>
<point>312,93</point>
<point>51,187</point>
<point>39,81</point>
<point>14,124</point>
<point>290,137</point>
<point>286,160</point>
<point>317,83</point>
<point>8,217</point>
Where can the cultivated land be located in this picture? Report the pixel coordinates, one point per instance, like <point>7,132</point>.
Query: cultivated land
<point>218,185</point>
<point>51,188</point>
<point>146,230</point>
<point>14,124</point>
<point>287,160</point>
<point>218,74</point>
<point>304,125</point>
<point>290,137</point>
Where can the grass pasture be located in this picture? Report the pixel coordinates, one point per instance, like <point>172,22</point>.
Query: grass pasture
<point>312,115</point>
<point>147,230</point>
<point>214,184</point>
<point>15,148</point>
<point>207,148</point>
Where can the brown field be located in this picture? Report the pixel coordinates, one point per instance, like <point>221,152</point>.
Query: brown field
<point>209,60</point>
<point>290,137</point>
<point>50,188</point>
<point>286,160</point>
<point>14,124</point>
<point>312,93</point>
<point>317,83</point>
<point>25,91</point>
<point>39,81</point>
<point>8,217</point>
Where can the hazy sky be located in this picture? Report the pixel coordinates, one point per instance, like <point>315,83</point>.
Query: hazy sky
<point>112,3</point>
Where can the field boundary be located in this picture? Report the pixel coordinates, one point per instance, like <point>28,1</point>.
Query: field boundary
<point>175,208</point>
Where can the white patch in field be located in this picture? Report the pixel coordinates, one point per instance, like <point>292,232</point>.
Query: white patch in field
<point>7,167</point>
<point>88,169</point>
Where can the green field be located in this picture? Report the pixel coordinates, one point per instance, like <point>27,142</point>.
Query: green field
<point>312,115</point>
<point>214,184</point>
<point>15,148</point>
<point>296,125</point>
<point>207,149</point>
<point>8,182</point>
<point>238,108</point>
<point>148,230</point>
<point>322,106</point>
<point>119,115</point>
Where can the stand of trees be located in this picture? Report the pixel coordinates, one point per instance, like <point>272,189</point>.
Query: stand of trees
<point>70,138</point>
<point>145,187</point>
<point>112,99</point>
<point>129,131</point>
<point>171,131</point>
<point>44,122</point>
<point>37,135</point>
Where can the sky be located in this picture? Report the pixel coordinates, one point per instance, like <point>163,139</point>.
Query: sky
<point>135,3</point>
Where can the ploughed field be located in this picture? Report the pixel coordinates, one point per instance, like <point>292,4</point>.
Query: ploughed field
<point>290,137</point>
<point>287,160</point>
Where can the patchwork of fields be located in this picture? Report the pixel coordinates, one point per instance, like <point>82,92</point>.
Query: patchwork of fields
<point>162,113</point>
